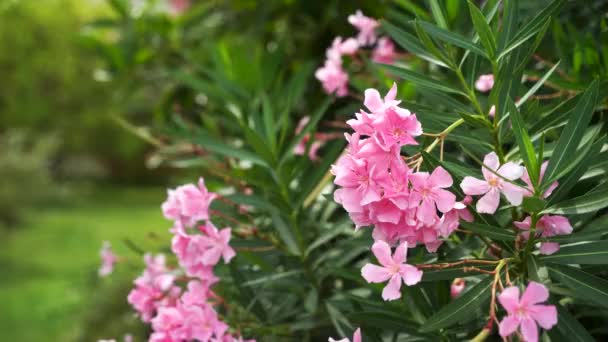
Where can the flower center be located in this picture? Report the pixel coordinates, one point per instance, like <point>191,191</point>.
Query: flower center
<point>493,182</point>
<point>394,268</point>
<point>397,132</point>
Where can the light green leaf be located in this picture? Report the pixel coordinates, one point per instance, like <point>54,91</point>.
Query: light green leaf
<point>438,15</point>
<point>495,233</point>
<point>587,203</point>
<point>483,29</point>
<point>572,133</point>
<point>583,284</point>
<point>420,79</point>
<point>537,85</point>
<point>526,148</point>
<point>463,308</point>
<point>593,253</point>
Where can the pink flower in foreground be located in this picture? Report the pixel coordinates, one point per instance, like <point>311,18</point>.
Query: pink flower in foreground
<point>356,337</point>
<point>108,259</point>
<point>394,269</point>
<point>392,125</point>
<point>457,287</point>
<point>526,313</point>
<point>485,83</point>
<point>333,78</point>
<point>384,52</point>
<point>492,185</point>
<point>430,190</point>
<point>217,246</point>
<point>366,26</point>
<point>546,226</point>
<point>526,178</point>
<point>188,203</point>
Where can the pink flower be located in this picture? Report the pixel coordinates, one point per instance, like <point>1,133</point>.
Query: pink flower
<point>333,78</point>
<point>217,246</point>
<point>108,259</point>
<point>493,185</point>
<point>530,190</point>
<point>546,226</point>
<point>384,52</point>
<point>451,219</point>
<point>188,203</point>
<point>392,125</point>
<point>366,26</point>
<point>484,83</point>
<point>429,189</point>
<point>339,48</point>
<point>526,312</point>
<point>394,269</point>
<point>360,182</point>
<point>457,287</point>
<point>356,337</point>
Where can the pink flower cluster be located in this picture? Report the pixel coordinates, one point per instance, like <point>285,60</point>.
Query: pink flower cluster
<point>332,75</point>
<point>526,313</point>
<point>546,226</point>
<point>378,188</point>
<point>175,314</point>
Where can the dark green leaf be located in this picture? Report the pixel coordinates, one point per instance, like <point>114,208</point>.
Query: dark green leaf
<point>438,15</point>
<point>568,328</point>
<point>533,204</point>
<point>583,284</point>
<point>410,43</point>
<point>526,149</point>
<point>431,275</point>
<point>537,85</point>
<point>420,79</point>
<point>451,37</point>
<point>495,233</point>
<point>590,202</point>
<point>285,233</point>
<point>483,29</point>
<point>593,253</point>
<point>463,308</point>
<point>573,132</point>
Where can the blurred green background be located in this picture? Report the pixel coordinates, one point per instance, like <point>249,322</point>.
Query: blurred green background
<point>88,88</point>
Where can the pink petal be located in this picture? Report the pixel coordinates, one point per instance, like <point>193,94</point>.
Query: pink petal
<point>511,171</point>
<point>418,179</point>
<point>382,251</point>
<point>508,325</point>
<point>400,255</point>
<point>228,253</point>
<point>529,330</point>
<point>410,274</point>
<point>372,100</point>
<point>440,178</point>
<point>427,212</point>
<point>444,199</point>
<point>544,315</point>
<point>474,186</point>
<point>489,202</point>
<point>509,299</point>
<point>548,248</point>
<point>535,293</point>
<point>357,335</point>
<point>374,273</point>
<point>392,289</point>
<point>392,93</point>
<point>491,161</point>
<point>513,193</point>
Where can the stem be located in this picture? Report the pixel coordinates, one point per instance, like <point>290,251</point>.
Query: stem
<point>470,93</point>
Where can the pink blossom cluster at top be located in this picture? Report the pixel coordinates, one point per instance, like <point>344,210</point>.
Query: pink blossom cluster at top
<point>176,314</point>
<point>378,189</point>
<point>526,313</point>
<point>332,75</point>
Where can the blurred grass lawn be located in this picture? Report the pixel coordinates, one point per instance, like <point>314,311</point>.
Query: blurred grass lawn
<point>48,265</point>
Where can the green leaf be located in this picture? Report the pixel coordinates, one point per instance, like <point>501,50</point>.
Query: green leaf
<point>338,319</point>
<point>526,149</point>
<point>583,284</point>
<point>408,42</point>
<point>384,320</point>
<point>568,328</point>
<point>572,133</point>
<point>571,179</point>
<point>587,203</point>
<point>269,121</point>
<point>463,308</point>
<point>495,233</point>
<point>437,13</point>
<point>430,45</point>
<point>593,253</point>
<point>432,275</point>
<point>246,295</point>
<point>483,29</point>
<point>592,235</point>
<point>312,124</point>
<point>531,27</point>
<point>420,79</point>
<point>537,85</point>
<point>285,233</point>
<point>451,37</point>
<point>510,21</point>
<point>533,204</point>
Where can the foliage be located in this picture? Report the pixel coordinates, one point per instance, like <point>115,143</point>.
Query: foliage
<point>230,112</point>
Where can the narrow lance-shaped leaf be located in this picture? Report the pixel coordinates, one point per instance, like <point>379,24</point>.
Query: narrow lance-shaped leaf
<point>483,29</point>
<point>438,15</point>
<point>568,328</point>
<point>587,203</point>
<point>537,85</point>
<point>461,309</point>
<point>526,149</point>
<point>410,43</point>
<point>420,79</point>
<point>495,233</point>
<point>451,37</point>
<point>583,284</point>
<point>593,253</point>
<point>572,133</point>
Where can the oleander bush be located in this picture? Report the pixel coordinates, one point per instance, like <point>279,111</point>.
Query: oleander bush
<point>437,173</point>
